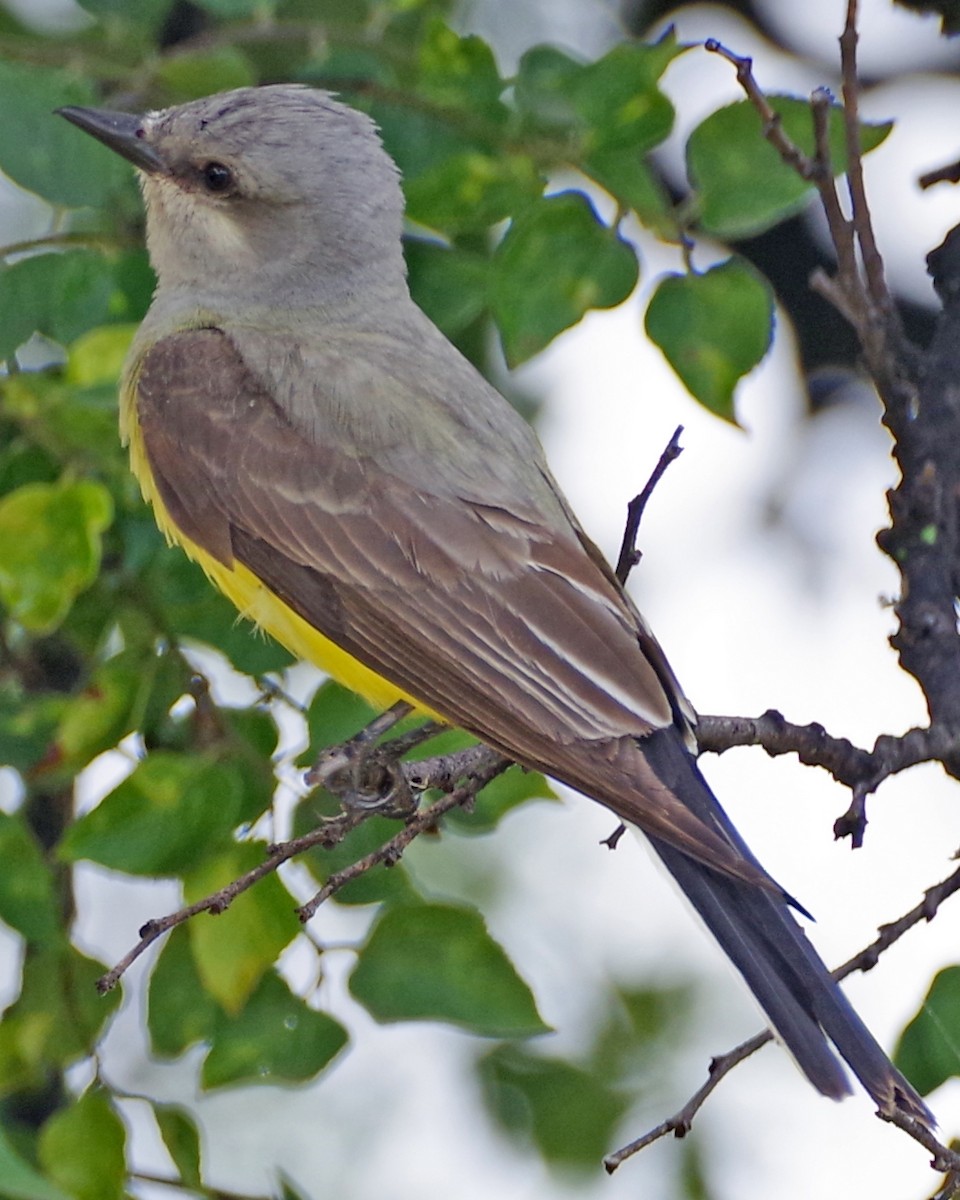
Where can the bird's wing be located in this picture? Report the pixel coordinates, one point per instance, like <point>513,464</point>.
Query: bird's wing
<point>502,624</point>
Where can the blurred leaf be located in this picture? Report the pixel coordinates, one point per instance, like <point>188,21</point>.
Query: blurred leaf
<point>742,185</point>
<point>234,949</point>
<point>468,192</point>
<point>173,811</point>
<point>335,714</point>
<point>188,75</point>
<point>182,1140</point>
<point>555,263</point>
<point>434,962</point>
<point>194,608</point>
<point>625,175</point>
<point>449,284</point>
<point>612,102</point>
<point>928,1052</point>
<point>56,1019</point>
<point>28,901</point>
<point>570,1114</point>
<point>76,425</point>
<point>132,691</point>
<point>180,1011</point>
<point>276,1038</point>
<point>50,548</point>
<point>459,72</point>
<point>81,1148</point>
<point>618,100</point>
<point>27,727</point>
<point>637,1031</point>
<point>40,150</point>
<point>97,356</point>
<point>19,1180</point>
<point>60,295</point>
<point>713,329</point>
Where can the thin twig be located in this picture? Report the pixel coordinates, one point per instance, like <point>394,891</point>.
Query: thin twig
<point>944,1159</point>
<point>771,121</point>
<point>476,766</point>
<point>869,252</point>
<point>629,555</point>
<point>391,851</point>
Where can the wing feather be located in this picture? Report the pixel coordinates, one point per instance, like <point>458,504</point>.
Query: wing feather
<point>499,621</point>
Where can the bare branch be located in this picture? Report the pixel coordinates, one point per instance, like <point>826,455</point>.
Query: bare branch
<point>629,555</point>
<point>861,770</point>
<point>944,1159</point>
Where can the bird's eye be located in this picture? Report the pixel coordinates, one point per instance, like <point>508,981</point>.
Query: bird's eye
<point>216,177</point>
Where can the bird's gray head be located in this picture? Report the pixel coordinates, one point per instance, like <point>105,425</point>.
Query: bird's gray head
<point>281,184</point>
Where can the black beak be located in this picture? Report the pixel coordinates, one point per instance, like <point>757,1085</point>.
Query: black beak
<point>122,132</point>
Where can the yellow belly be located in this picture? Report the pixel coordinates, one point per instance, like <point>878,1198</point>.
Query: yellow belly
<point>257,602</point>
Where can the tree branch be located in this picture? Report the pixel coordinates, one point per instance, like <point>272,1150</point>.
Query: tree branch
<point>944,1159</point>
<point>629,555</point>
<point>861,770</point>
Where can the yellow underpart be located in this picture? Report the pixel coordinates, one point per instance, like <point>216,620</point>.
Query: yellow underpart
<point>256,601</point>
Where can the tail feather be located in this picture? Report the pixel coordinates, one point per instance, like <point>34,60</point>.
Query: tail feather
<point>760,935</point>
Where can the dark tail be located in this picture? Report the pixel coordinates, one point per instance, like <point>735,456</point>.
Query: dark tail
<point>760,935</point>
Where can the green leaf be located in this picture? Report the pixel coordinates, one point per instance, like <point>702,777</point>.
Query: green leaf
<point>180,1011</point>
<point>449,284</point>
<point>57,1017</point>
<point>28,901</point>
<point>186,76</point>
<point>557,261</point>
<point>568,1113</point>
<point>459,72</point>
<point>434,962</point>
<point>276,1038</point>
<point>19,1180</point>
<point>182,1140</point>
<point>60,295</point>
<point>335,714</point>
<point>98,355</point>
<point>172,812</point>
<point>50,548</point>
<point>928,1051</point>
<point>468,192</point>
<point>617,98</point>
<point>713,328</point>
<point>742,185</point>
<point>27,726</point>
<point>81,1148</point>
<point>613,102</point>
<point>234,949</point>
<point>134,690</point>
<point>194,608</point>
<point>633,184</point>
<point>40,150</point>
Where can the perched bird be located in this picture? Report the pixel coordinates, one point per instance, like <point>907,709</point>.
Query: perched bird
<point>357,489</point>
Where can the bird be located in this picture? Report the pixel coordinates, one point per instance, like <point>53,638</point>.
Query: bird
<point>362,493</point>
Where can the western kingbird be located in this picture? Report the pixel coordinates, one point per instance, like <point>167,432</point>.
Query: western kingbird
<point>358,490</point>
